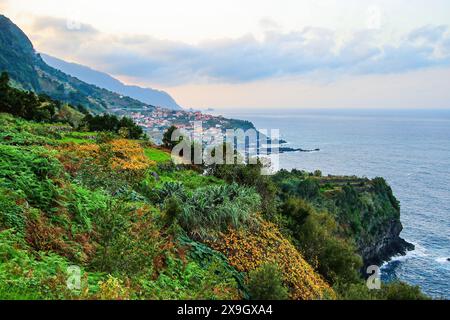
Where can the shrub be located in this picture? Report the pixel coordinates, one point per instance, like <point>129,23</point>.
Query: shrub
<point>172,210</point>
<point>213,209</point>
<point>248,249</point>
<point>307,189</point>
<point>250,176</point>
<point>129,155</point>
<point>111,166</point>
<point>127,239</point>
<point>186,280</point>
<point>402,291</point>
<point>84,205</point>
<point>167,138</point>
<point>389,291</point>
<point>18,132</point>
<point>296,211</point>
<point>111,123</point>
<point>31,172</point>
<point>24,276</point>
<point>319,241</point>
<point>384,190</point>
<point>25,104</point>
<point>113,289</point>
<point>105,137</point>
<point>297,184</point>
<point>11,214</point>
<point>210,259</point>
<point>317,173</point>
<point>265,283</point>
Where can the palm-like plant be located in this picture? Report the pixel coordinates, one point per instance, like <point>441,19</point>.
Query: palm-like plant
<point>213,209</point>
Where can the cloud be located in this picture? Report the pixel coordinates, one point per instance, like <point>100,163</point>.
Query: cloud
<point>246,59</point>
<point>63,26</point>
<point>428,34</point>
<point>267,23</point>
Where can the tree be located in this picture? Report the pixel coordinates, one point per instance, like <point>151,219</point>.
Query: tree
<point>297,211</point>
<point>319,241</point>
<point>26,104</point>
<point>167,138</point>
<point>109,122</point>
<point>265,283</point>
<point>4,93</point>
<point>4,81</point>
<point>317,173</point>
<point>134,131</point>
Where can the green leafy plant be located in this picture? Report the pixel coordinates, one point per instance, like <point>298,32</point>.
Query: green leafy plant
<point>11,214</point>
<point>127,239</point>
<point>265,283</point>
<point>212,209</point>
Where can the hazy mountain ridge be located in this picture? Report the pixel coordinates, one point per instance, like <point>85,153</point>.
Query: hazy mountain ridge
<point>103,80</point>
<point>28,71</point>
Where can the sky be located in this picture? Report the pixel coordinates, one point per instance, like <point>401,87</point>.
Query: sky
<point>256,53</point>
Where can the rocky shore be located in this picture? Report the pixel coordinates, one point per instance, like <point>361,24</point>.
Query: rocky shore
<point>386,245</point>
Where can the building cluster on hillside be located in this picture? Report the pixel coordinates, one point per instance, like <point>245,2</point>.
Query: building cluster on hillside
<point>160,119</point>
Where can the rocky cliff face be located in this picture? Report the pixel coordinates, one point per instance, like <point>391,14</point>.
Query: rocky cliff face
<point>385,245</point>
<point>366,210</point>
<point>369,213</point>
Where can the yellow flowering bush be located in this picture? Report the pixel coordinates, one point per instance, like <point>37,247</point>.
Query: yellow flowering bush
<point>121,154</point>
<point>113,289</point>
<point>129,155</point>
<point>249,249</point>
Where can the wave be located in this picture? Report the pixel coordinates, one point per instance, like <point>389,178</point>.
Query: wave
<point>419,251</point>
<point>442,260</point>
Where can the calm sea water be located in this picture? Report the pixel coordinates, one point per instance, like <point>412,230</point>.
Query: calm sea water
<point>410,148</point>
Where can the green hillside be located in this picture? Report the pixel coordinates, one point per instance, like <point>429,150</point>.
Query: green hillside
<point>90,209</point>
<point>93,215</point>
<point>29,72</point>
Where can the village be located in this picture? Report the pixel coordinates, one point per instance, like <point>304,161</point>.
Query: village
<point>156,120</point>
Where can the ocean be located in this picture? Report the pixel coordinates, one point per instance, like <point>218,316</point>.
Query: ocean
<point>409,148</point>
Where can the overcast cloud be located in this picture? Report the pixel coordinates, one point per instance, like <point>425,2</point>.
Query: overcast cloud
<point>244,59</point>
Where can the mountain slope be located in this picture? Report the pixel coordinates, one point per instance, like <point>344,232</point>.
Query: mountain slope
<point>104,80</point>
<point>28,71</point>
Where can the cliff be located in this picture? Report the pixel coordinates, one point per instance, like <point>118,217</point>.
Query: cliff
<point>369,213</point>
<point>366,210</point>
<point>386,244</point>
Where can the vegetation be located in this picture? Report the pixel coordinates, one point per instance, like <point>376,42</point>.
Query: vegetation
<point>157,155</point>
<point>249,175</point>
<point>91,210</point>
<point>137,226</point>
<point>125,127</point>
<point>42,108</point>
<point>362,208</point>
<point>26,104</point>
<point>29,72</point>
<point>266,283</point>
<point>392,291</point>
<point>167,138</point>
<point>250,248</point>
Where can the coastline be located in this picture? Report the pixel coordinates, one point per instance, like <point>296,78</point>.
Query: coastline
<point>410,171</point>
